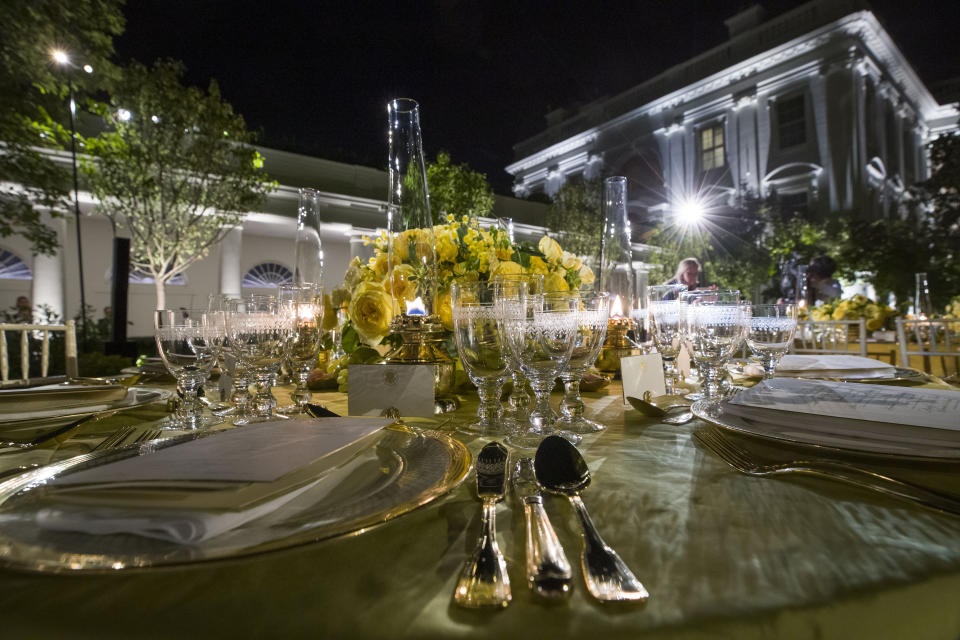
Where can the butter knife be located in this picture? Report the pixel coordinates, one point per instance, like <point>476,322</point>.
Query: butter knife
<point>548,571</point>
<point>484,581</point>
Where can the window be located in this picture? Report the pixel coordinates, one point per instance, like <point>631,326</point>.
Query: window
<point>711,147</point>
<point>268,274</point>
<point>791,122</point>
<point>13,268</point>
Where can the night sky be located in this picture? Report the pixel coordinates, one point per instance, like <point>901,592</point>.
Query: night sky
<point>314,77</point>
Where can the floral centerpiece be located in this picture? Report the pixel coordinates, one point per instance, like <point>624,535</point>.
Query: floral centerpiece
<point>464,251</point>
<point>878,315</point>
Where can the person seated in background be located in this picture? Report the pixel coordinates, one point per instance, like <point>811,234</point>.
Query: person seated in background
<point>24,311</point>
<point>688,273</point>
<point>821,286</point>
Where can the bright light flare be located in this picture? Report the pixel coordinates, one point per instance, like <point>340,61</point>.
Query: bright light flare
<point>124,115</point>
<point>690,212</point>
<point>416,307</point>
<point>60,56</point>
<point>616,308</point>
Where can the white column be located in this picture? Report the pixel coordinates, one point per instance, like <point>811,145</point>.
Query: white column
<point>47,285</point>
<point>231,279</point>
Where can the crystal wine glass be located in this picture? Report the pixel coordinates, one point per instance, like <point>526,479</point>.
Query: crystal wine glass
<point>482,351</point>
<point>259,332</point>
<point>771,333</point>
<point>303,305</point>
<point>189,341</point>
<point>716,323</point>
<point>541,331</point>
<point>591,330</point>
<point>519,401</point>
<point>666,324</point>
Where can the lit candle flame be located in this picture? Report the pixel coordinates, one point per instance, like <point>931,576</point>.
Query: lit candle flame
<point>416,307</point>
<point>616,309</point>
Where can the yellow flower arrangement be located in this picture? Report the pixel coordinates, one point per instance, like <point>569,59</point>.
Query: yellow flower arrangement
<point>464,251</point>
<point>859,306</point>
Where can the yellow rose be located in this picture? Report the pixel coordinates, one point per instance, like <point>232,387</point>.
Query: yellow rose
<point>401,283</point>
<point>840,313</point>
<point>874,324</point>
<point>555,282</point>
<point>401,246</point>
<point>370,311</point>
<point>537,265</point>
<point>444,310</point>
<point>586,275</point>
<point>549,247</point>
<point>379,264</point>
<point>446,246</point>
<point>506,268</point>
<point>570,261</point>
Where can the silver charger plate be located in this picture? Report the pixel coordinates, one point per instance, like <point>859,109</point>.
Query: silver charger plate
<point>400,470</point>
<point>896,374</point>
<point>851,436</point>
<point>30,429</point>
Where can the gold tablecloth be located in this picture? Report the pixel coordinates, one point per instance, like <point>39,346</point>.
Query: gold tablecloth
<point>722,554</point>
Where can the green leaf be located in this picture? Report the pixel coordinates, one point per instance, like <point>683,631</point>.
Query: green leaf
<point>364,355</point>
<point>350,339</point>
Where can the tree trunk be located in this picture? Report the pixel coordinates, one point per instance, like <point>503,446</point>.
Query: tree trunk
<point>161,294</point>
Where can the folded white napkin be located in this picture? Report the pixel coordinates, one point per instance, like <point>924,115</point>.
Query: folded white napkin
<point>183,527</point>
<point>827,362</point>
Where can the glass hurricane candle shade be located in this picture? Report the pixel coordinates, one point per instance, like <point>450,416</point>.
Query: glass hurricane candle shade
<point>666,315</point>
<point>616,254</point>
<point>591,330</point>
<point>480,345</point>
<point>770,333</point>
<point>411,252</point>
<point>189,343</point>
<point>308,250</point>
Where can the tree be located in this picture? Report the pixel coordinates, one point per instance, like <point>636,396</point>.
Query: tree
<point>33,102</point>
<point>457,190</point>
<point>175,168</point>
<point>576,214</point>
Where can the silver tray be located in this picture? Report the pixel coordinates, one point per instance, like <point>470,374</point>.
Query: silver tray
<point>400,470</point>
<point>883,440</point>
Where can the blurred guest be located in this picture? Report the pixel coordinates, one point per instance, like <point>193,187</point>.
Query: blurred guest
<point>688,273</point>
<point>24,311</point>
<point>821,286</point>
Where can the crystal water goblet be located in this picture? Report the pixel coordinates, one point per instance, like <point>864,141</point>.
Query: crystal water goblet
<point>541,330</point>
<point>771,332</point>
<point>189,342</point>
<point>303,304</point>
<point>716,324</point>
<point>519,400</point>
<point>259,332</point>
<point>594,310</point>
<point>666,317</point>
<point>480,345</point>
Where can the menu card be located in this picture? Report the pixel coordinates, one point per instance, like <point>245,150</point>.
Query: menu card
<point>933,408</point>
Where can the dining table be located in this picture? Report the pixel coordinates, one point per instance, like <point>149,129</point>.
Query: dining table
<point>722,554</point>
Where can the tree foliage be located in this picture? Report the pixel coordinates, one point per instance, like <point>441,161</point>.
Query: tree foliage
<point>576,215</point>
<point>33,102</point>
<point>175,168</point>
<point>458,190</point>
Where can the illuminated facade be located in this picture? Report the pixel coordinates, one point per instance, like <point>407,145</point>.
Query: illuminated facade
<point>816,105</point>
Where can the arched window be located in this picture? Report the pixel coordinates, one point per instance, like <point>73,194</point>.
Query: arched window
<point>268,274</point>
<point>13,268</point>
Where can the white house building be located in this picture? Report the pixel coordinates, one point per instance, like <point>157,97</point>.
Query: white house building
<point>817,105</point>
<point>253,257</point>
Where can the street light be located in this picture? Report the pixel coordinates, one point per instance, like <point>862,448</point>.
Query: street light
<point>61,58</point>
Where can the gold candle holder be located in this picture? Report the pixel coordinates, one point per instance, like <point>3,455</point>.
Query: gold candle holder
<point>422,344</point>
<point>617,345</point>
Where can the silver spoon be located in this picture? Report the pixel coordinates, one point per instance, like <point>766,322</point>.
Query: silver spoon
<point>654,411</point>
<point>561,469</point>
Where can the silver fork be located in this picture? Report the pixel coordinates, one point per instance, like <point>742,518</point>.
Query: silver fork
<point>115,439</point>
<point>749,463</point>
<point>149,434</point>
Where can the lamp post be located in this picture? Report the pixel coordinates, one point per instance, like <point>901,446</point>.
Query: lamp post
<point>61,58</point>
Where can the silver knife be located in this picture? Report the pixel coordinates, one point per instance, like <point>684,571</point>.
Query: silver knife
<point>484,581</point>
<point>548,572</point>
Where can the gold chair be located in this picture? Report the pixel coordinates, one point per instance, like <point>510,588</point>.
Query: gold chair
<point>935,343</point>
<point>830,336</point>
<point>40,332</point>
